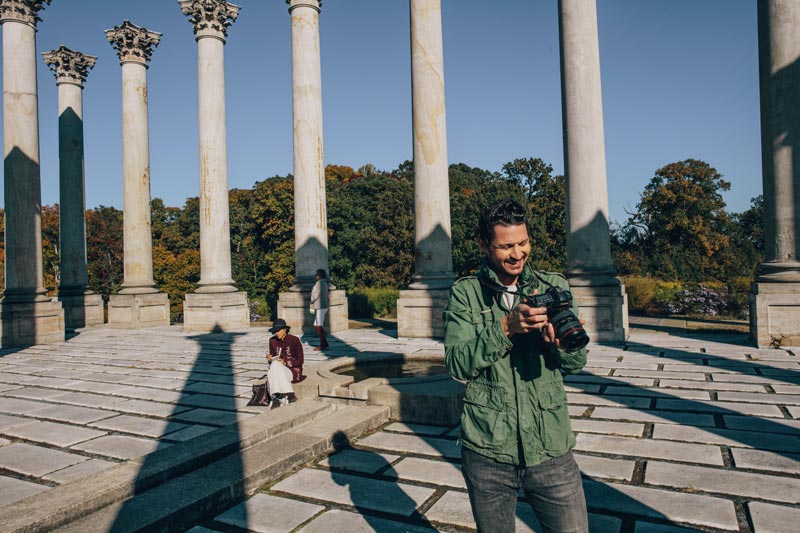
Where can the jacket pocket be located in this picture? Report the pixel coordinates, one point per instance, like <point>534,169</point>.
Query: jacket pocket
<point>483,420</point>
<point>556,431</point>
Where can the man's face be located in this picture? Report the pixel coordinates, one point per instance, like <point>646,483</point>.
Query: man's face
<point>508,251</point>
<point>281,333</point>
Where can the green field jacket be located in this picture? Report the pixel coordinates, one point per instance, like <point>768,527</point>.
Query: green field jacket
<point>515,406</point>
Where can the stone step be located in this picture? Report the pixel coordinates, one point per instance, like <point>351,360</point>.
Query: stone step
<point>205,492</point>
<point>66,503</point>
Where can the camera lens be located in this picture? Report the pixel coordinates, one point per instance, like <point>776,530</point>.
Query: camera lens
<point>569,330</point>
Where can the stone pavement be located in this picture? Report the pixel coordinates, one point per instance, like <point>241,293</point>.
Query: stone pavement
<point>675,431</point>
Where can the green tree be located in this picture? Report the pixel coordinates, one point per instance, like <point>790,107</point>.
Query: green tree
<point>104,249</point>
<point>680,228</point>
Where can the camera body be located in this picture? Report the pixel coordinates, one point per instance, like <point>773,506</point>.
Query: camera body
<point>568,328</point>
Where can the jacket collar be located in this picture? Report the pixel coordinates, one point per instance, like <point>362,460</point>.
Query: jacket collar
<point>527,279</point>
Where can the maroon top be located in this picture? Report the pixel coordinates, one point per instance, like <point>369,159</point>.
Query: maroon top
<point>290,349</point>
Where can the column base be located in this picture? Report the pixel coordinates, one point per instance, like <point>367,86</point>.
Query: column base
<point>208,311</point>
<point>81,310</point>
<point>605,310</point>
<point>775,314</point>
<point>293,307</point>
<point>30,323</point>
<point>419,313</point>
<point>137,311</point>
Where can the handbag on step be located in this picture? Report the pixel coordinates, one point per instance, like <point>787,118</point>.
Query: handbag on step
<point>260,392</point>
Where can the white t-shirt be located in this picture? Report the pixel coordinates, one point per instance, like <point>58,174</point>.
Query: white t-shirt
<point>508,298</point>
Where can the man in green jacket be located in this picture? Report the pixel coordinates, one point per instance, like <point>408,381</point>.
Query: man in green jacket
<point>515,429</point>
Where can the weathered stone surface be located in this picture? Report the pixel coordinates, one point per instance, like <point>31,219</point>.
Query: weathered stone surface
<point>427,471</point>
<point>726,437</point>
<point>417,429</point>
<point>413,444</point>
<point>390,497</point>
<point>788,463</point>
<point>78,471</point>
<point>666,417</point>
<point>775,488</point>
<point>768,425</point>
<point>783,399</point>
<point>774,518</point>
<point>8,421</point>
<point>120,447</point>
<point>12,490</point>
<point>676,451</point>
<point>710,385</point>
<point>587,425</point>
<point>659,393</point>
<point>720,407</point>
<point>359,461</point>
<point>35,460</point>
<point>337,520</point>
<point>146,427</point>
<point>625,401</point>
<point>61,435</point>
<point>659,504</point>
<point>269,514</point>
<point>605,468</point>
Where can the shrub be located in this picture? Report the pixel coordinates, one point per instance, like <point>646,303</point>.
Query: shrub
<point>700,299</point>
<point>738,297</point>
<point>641,291</point>
<point>369,303</point>
<point>259,310</point>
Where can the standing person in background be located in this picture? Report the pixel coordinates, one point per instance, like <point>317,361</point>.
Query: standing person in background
<point>319,299</point>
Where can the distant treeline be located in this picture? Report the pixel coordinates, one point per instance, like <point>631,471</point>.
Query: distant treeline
<point>680,230</point>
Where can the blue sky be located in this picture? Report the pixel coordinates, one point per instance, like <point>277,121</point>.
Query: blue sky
<point>680,80</point>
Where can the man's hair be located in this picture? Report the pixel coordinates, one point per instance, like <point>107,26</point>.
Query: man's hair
<point>321,273</point>
<point>507,212</point>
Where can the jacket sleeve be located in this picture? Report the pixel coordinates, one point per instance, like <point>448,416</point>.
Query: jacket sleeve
<point>469,347</point>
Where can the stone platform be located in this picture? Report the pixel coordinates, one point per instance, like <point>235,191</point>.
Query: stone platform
<point>676,431</point>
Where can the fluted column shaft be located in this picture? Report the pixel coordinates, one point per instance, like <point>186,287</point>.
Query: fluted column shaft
<point>22,183</point>
<point>210,20</point>
<point>588,246</point>
<point>70,69</point>
<point>310,209</point>
<point>779,64</point>
<point>433,247</point>
<point>134,46</point>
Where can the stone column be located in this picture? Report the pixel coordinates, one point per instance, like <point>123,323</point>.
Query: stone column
<point>82,307</point>
<point>775,295</point>
<point>138,304</point>
<point>216,303</point>
<point>420,307</point>
<point>310,210</point>
<point>601,297</point>
<point>27,314</point>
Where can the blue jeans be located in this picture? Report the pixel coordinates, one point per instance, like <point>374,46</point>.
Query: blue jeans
<point>553,487</point>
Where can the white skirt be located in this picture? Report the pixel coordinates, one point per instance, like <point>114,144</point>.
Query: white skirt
<point>319,317</point>
<point>279,379</point>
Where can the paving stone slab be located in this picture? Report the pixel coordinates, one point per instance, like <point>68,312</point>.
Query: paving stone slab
<point>771,518</point>
<point>9,421</point>
<point>767,425</point>
<point>625,401</point>
<point>579,379</point>
<point>653,415</point>
<point>602,467</point>
<point>78,471</point>
<point>661,504</point>
<point>146,427</point>
<point>363,493</point>
<point>4,387</point>
<point>413,444</point>
<point>34,393</point>
<point>120,447</point>
<point>747,378</point>
<point>188,433</point>
<point>694,376</point>
<point>35,460</point>
<point>726,437</point>
<point>728,408</point>
<point>97,387</point>
<point>711,385</point>
<point>86,399</point>
<point>17,406</point>
<point>788,463</point>
<point>770,398</point>
<point>61,435</point>
<point>147,393</point>
<point>359,461</point>
<point>144,407</point>
<point>676,451</point>
<point>587,425</point>
<point>762,486</point>
<point>211,417</point>
<point>336,520</point>
<point>12,490</point>
<point>657,392</point>
<point>650,527</point>
<point>417,429</point>
<point>453,509</point>
<point>427,471</point>
<point>264,513</point>
<point>794,411</point>
<point>74,414</point>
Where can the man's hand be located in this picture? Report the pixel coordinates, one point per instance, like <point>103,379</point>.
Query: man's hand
<point>524,319</point>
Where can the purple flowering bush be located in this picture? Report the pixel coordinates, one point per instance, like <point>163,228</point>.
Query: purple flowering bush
<point>699,299</point>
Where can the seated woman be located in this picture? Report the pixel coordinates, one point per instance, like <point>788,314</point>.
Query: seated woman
<point>286,363</point>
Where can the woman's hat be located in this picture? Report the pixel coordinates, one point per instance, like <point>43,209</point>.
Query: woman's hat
<point>278,325</point>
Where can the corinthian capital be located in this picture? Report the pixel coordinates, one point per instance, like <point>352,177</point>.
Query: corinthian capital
<point>69,66</point>
<point>313,4</point>
<point>210,17</point>
<point>133,43</point>
<point>25,11</point>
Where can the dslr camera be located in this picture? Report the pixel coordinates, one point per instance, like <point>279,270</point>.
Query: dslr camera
<point>568,328</point>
